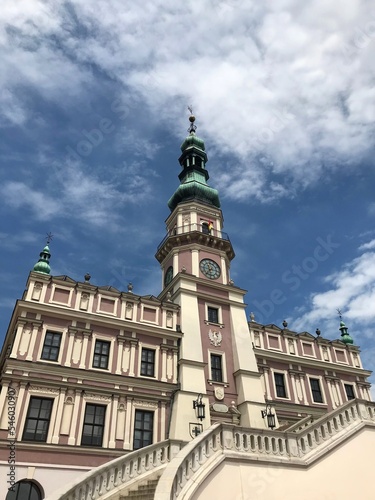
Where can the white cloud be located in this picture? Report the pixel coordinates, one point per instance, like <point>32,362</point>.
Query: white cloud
<point>245,68</point>
<point>352,290</point>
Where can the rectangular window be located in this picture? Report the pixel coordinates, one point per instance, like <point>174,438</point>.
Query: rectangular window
<point>101,354</point>
<point>148,363</point>
<point>316,391</point>
<point>37,419</point>
<point>216,368</point>
<point>213,314</point>
<point>349,391</point>
<point>280,385</point>
<point>93,425</point>
<point>143,428</point>
<point>51,346</point>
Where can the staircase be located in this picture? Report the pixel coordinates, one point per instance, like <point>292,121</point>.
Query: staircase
<point>143,490</point>
<point>171,469</point>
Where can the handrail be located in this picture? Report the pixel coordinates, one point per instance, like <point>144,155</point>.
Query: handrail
<point>99,482</point>
<point>300,446</point>
<point>193,227</point>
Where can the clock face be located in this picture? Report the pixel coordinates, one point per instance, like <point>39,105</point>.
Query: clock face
<point>168,276</point>
<point>210,269</point>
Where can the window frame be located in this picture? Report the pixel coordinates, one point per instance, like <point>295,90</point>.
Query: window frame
<point>101,355</point>
<point>38,419</point>
<point>216,370</point>
<point>282,386</point>
<point>139,428</point>
<point>215,312</point>
<point>351,386</point>
<point>147,363</point>
<point>48,332</point>
<point>209,305</point>
<point>87,439</point>
<point>316,391</point>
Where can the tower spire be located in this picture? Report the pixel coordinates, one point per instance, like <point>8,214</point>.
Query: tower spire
<point>194,176</point>
<point>42,266</point>
<point>345,337</point>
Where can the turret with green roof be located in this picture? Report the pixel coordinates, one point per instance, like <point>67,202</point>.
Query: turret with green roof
<point>42,266</point>
<point>194,175</point>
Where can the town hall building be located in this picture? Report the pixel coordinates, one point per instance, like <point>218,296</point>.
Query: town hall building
<point>111,394</point>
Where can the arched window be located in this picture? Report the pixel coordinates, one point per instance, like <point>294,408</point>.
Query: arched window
<point>24,490</point>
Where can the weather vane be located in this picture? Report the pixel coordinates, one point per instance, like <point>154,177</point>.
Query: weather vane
<point>192,127</point>
<point>339,313</point>
<point>49,238</point>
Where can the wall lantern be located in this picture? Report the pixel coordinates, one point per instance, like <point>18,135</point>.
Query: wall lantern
<point>199,407</point>
<point>271,419</point>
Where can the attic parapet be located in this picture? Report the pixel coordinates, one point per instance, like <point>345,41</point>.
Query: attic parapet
<point>62,292</point>
<point>303,345</point>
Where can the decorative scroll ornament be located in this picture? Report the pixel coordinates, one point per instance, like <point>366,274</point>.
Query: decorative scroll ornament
<point>215,337</point>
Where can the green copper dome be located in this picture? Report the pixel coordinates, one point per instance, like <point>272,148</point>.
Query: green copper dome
<point>192,140</point>
<point>345,337</point>
<point>194,175</point>
<point>42,266</point>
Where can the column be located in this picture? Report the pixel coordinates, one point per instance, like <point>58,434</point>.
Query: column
<point>112,433</point>
<point>133,344</point>
<point>34,335</point>
<point>60,407</point>
<point>19,406</point>
<point>195,262</point>
<point>86,336</point>
<point>174,381</point>
<point>164,350</point>
<point>72,437</point>
<point>71,333</point>
<point>224,270</point>
<point>128,423</point>
<point>20,325</point>
<point>175,264</point>
<point>120,351</point>
<point>3,404</point>
<point>162,421</point>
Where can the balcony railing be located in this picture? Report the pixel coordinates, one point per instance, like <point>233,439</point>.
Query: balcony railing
<point>191,228</point>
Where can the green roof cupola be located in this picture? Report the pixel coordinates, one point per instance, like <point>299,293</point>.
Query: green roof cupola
<point>194,176</point>
<point>42,266</point>
<point>345,337</point>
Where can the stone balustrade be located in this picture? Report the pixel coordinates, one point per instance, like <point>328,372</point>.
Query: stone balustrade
<point>185,465</point>
<point>102,482</point>
<point>300,447</point>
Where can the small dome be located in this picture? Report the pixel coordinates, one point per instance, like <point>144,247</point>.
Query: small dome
<point>42,266</point>
<point>192,140</point>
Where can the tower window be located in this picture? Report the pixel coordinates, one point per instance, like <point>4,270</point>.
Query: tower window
<point>37,419</point>
<point>205,228</point>
<point>101,354</point>
<point>148,363</point>
<point>51,346</point>
<point>216,368</point>
<point>349,391</point>
<point>212,314</point>
<point>280,385</point>
<point>143,428</point>
<point>93,425</point>
<point>316,390</point>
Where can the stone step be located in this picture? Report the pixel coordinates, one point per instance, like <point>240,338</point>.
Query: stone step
<point>145,491</point>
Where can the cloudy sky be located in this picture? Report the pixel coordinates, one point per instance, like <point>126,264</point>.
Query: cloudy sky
<point>93,109</point>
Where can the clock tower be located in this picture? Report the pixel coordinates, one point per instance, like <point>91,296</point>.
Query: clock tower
<point>217,366</point>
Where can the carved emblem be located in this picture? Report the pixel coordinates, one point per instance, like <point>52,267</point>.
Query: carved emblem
<point>219,393</point>
<point>215,337</point>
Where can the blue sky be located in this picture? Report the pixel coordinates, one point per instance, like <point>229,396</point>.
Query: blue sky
<point>93,109</point>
